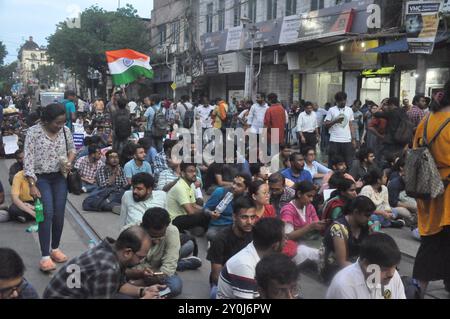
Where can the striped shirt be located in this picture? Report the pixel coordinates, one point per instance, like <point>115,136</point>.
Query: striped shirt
<point>237,279</point>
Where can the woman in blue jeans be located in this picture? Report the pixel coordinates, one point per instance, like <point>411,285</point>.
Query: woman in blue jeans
<point>50,151</point>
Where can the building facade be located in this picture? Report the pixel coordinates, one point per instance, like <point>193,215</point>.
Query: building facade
<point>31,57</point>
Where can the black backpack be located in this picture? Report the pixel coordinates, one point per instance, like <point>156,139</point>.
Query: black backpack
<point>122,127</point>
<point>160,124</point>
<point>189,117</point>
<point>405,132</point>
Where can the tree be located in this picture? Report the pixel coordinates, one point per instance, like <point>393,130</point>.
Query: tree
<point>48,74</point>
<point>84,48</point>
<point>7,78</point>
<point>3,53</point>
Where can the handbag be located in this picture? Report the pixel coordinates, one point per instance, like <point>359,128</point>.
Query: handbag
<point>74,183</point>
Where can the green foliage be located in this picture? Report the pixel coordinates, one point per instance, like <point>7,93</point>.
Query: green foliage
<point>79,49</point>
<point>3,52</point>
<point>6,78</point>
<point>48,74</point>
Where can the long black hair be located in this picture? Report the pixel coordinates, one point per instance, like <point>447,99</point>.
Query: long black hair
<point>52,111</point>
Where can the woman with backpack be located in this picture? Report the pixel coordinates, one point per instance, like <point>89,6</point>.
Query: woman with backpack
<point>49,153</point>
<point>433,258</point>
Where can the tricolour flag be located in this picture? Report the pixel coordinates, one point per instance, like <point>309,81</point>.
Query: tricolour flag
<point>126,66</point>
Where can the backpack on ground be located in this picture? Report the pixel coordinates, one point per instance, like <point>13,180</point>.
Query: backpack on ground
<point>103,199</point>
<point>422,178</point>
<point>405,132</point>
<point>160,124</point>
<point>122,127</point>
<point>189,117</point>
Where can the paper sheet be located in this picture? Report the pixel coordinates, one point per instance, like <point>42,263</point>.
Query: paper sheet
<point>10,143</point>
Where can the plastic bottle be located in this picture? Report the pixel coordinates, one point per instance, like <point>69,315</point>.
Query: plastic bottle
<point>91,244</point>
<point>39,209</point>
<point>224,203</point>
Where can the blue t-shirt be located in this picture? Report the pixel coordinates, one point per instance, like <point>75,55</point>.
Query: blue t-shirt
<point>132,169</point>
<point>151,154</point>
<point>70,108</point>
<point>304,176</point>
<point>226,218</point>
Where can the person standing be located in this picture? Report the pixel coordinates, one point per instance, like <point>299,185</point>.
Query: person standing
<point>156,120</point>
<point>433,258</point>
<point>417,113</point>
<point>70,99</point>
<point>339,122</point>
<point>275,120</point>
<point>46,144</point>
<point>308,128</point>
<point>121,125</point>
<point>256,115</point>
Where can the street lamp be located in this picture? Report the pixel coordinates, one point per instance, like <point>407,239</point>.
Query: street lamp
<point>253,29</point>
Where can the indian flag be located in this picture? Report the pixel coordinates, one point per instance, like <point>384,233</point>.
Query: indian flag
<point>126,66</point>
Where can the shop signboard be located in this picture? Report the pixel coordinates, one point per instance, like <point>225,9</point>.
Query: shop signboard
<point>318,25</point>
<point>289,30</point>
<point>213,43</point>
<point>235,39</point>
<point>268,33</point>
<point>231,63</point>
<point>211,65</point>
<point>422,22</point>
<point>355,56</point>
<point>322,59</point>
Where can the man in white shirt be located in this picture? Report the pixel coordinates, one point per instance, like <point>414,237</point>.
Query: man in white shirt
<point>374,275</point>
<point>203,113</point>
<point>237,279</point>
<point>183,106</point>
<point>308,128</point>
<point>139,199</point>
<point>256,115</point>
<point>339,123</point>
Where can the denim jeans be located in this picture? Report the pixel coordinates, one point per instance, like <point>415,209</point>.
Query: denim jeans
<point>89,187</point>
<point>53,189</point>
<point>384,222</point>
<point>187,249</point>
<point>213,292</point>
<point>175,285</point>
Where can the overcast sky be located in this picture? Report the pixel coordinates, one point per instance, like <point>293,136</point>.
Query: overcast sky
<point>21,19</point>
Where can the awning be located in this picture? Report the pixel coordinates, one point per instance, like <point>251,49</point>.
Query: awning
<point>402,44</point>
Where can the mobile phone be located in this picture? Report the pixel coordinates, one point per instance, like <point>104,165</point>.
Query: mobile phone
<point>165,292</point>
<point>158,273</point>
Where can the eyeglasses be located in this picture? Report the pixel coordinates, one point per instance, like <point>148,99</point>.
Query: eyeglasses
<point>8,292</point>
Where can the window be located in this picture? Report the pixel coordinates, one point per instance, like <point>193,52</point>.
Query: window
<point>252,10</point>
<point>176,32</point>
<point>209,18</point>
<point>221,14</point>
<point>42,56</point>
<point>237,13</point>
<point>271,9</point>
<point>291,7</point>
<point>317,4</point>
<point>162,34</point>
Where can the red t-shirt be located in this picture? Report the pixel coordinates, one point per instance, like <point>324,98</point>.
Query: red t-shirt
<point>275,118</point>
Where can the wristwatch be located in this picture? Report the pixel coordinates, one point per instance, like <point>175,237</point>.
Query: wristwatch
<point>141,292</point>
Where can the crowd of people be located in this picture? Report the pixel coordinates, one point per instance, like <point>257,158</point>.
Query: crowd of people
<point>263,221</point>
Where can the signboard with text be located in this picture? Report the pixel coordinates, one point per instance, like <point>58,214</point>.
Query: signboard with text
<point>422,22</point>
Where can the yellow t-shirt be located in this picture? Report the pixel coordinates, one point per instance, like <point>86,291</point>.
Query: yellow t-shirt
<point>179,195</point>
<point>21,187</point>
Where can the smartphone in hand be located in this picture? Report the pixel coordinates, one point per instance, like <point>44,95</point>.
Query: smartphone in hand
<point>165,292</point>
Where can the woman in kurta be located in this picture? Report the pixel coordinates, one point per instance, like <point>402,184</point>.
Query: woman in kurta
<point>433,258</point>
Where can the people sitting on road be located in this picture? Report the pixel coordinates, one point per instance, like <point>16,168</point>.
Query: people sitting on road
<point>278,161</point>
<point>259,192</point>
<point>296,173</point>
<point>376,190</point>
<point>277,277</point>
<point>170,176</point>
<point>316,169</point>
<point>339,166</point>
<point>363,164</point>
<point>22,207</point>
<point>88,167</point>
<point>184,211</point>
<point>111,174</point>
<point>345,191</point>
<point>17,166</point>
<point>221,205</point>
<point>237,278</point>
<point>4,215</point>
<point>13,284</point>
<point>160,163</point>
<point>160,264</point>
<point>138,164</point>
<point>380,254</point>
<point>342,240</point>
<point>301,221</point>
<point>139,199</point>
<point>280,194</point>
<point>102,270</point>
<point>232,239</point>
<point>259,171</point>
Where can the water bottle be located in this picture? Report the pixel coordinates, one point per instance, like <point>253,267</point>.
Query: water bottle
<point>91,244</point>
<point>39,209</point>
<point>224,203</point>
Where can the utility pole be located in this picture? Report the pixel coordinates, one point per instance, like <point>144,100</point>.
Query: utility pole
<point>250,73</point>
